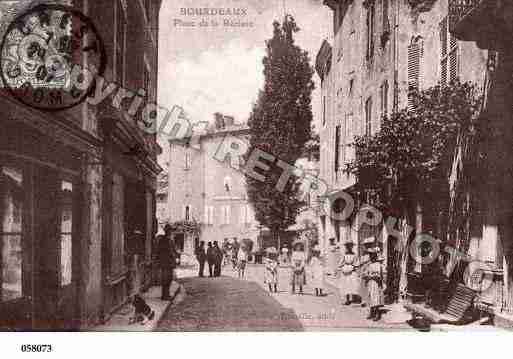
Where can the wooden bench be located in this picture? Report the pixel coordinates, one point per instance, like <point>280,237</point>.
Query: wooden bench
<point>455,312</point>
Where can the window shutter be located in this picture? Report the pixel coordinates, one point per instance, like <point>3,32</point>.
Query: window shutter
<point>453,65</point>
<point>337,146</point>
<point>443,51</point>
<point>414,53</point>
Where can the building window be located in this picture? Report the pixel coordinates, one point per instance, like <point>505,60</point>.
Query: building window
<point>338,18</point>
<point>337,150</point>
<point>370,29</point>
<point>449,62</point>
<point>187,160</point>
<point>349,138</point>
<point>66,229</point>
<point>226,214</point>
<point>227,184</point>
<point>324,110</point>
<point>386,23</point>
<point>11,215</point>
<point>384,99</point>
<point>368,117</point>
<point>120,43</point>
<point>209,215</point>
<point>187,213</point>
<point>414,55</point>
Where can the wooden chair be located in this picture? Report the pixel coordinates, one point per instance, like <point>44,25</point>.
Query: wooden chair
<point>459,303</point>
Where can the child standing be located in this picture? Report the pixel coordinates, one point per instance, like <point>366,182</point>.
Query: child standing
<point>317,271</point>
<point>271,269</point>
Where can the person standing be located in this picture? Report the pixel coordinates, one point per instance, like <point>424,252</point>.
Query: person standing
<point>298,274</point>
<point>167,261</point>
<point>271,269</point>
<point>373,276</point>
<point>317,271</point>
<point>218,254</point>
<point>332,257</point>
<point>201,256</point>
<point>242,258</point>
<point>211,259</point>
<point>349,282</point>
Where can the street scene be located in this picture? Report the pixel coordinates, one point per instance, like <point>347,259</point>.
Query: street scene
<point>256,165</point>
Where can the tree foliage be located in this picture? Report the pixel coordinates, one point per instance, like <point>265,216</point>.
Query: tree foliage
<point>413,152</point>
<point>280,124</point>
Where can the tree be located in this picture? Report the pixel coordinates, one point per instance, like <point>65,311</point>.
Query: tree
<point>280,124</point>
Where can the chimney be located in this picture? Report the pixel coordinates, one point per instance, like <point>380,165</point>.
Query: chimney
<point>219,118</point>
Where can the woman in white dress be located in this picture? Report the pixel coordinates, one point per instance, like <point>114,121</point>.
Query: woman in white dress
<point>242,258</point>
<point>317,271</point>
<point>332,257</point>
<point>297,265</point>
<point>349,282</point>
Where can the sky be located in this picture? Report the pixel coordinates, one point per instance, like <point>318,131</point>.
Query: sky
<point>219,68</point>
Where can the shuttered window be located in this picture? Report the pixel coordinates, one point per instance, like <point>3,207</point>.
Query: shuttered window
<point>384,99</point>
<point>414,55</point>
<point>368,116</point>
<point>370,30</point>
<point>449,61</point>
<point>337,150</point>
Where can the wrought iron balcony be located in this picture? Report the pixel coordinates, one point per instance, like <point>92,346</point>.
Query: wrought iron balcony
<point>487,22</point>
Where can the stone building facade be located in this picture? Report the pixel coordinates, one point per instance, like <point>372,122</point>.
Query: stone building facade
<point>204,190</point>
<point>78,185</point>
<point>381,49</point>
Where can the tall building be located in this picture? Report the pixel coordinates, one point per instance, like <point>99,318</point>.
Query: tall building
<point>381,49</point>
<point>77,185</point>
<point>208,192</point>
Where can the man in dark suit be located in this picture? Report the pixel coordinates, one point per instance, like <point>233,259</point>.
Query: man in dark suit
<point>167,261</point>
<point>201,256</point>
<point>218,259</point>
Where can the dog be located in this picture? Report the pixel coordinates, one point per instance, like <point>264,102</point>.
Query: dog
<point>142,311</point>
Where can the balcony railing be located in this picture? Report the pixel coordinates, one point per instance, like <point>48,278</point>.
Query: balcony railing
<point>459,8</point>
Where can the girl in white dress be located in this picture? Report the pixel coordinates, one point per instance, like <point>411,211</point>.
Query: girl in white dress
<point>298,273</point>
<point>317,271</point>
<point>349,282</point>
<point>271,270</point>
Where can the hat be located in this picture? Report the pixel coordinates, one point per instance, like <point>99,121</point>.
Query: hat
<point>271,250</point>
<point>374,250</point>
<point>349,243</point>
<point>167,228</point>
<point>369,240</point>
<point>298,243</point>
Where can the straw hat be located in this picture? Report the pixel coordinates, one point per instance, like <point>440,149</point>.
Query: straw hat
<point>271,250</point>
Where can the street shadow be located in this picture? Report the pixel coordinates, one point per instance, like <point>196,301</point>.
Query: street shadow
<point>228,304</point>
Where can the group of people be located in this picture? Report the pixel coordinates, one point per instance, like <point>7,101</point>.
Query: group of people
<point>368,269</point>
<point>213,255</point>
<point>300,268</point>
<point>351,271</point>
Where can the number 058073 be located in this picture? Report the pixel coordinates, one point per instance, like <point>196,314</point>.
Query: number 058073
<point>36,348</point>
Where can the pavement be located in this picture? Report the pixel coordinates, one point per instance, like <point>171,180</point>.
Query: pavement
<point>119,321</point>
<point>227,303</point>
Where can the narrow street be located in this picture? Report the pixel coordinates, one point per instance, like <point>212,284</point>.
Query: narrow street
<point>231,304</point>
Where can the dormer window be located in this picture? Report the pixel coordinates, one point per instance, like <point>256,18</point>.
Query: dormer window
<point>227,184</point>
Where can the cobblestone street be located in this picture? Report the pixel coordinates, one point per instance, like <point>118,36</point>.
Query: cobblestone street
<point>229,304</point>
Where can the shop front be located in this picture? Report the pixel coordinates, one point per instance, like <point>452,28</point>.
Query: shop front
<point>41,202</point>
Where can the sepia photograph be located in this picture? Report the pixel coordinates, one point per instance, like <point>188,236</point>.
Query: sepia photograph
<point>255,166</point>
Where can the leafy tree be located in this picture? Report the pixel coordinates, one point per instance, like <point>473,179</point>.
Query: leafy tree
<point>280,124</point>
<point>412,154</point>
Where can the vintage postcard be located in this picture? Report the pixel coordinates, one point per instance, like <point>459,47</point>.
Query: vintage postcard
<point>256,165</point>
